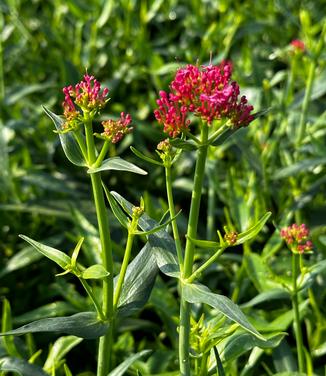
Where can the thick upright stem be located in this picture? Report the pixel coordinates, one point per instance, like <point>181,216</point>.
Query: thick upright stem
<point>295,303</point>
<point>184,329</point>
<point>172,214</point>
<point>105,345</point>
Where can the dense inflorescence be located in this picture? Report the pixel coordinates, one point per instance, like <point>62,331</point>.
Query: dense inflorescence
<point>206,92</point>
<point>114,130</point>
<point>296,237</point>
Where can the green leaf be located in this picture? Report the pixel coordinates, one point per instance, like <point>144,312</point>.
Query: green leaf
<point>283,358</point>
<point>254,230</point>
<point>273,294</point>
<point>28,255</point>
<point>139,280</point>
<point>123,367</point>
<point>21,366</point>
<point>60,348</point>
<point>239,343</point>
<point>67,370</point>
<point>197,293</point>
<point>84,325</point>
<point>116,209</point>
<point>54,309</point>
<point>95,272</point>
<point>53,254</point>
<point>157,228</point>
<point>6,324</point>
<point>184,145</point>
<point>144,157</point>
<point>220,139</point>
<point>261,113</point>
<point>161,243</point>
<point>116,163</point>
<point>242,237</point>
<point>68,142</point>
<point>296,168</point>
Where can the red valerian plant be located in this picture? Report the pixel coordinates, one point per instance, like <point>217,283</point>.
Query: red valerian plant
<point>296,237</point>
<point>206,92</point>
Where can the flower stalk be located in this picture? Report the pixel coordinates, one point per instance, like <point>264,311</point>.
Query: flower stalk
<point>295,305</point>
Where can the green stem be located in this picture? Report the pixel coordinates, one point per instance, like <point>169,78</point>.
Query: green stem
<point>184,330</point>
<point>172,214</point>
<point>105,344</point>
<point>105,149</point>
<point>123,269</point>
<point>203,365</point>
<point>81,143</point>
<point>297,325</point>
<point>205,265</point>
<point>210,209</point>
<point>92,297</point>
<point>305,104</point>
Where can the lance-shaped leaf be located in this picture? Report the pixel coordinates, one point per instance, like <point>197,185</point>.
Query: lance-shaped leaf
<point>21,366</point>
<point>84,325</point>
<point>239,343</point>
<point>116,209</point>
<point>221,138</point>
<point>157,228</point>
<point>138,282</point>
<point>145,157</point>
<point>241,238</point>
<point>53,254</point>
<point>123,367</point>
<point>161,243</point>
<point>95,272</point>
<point>68,142</point>
<point>60,348</point>
<point>119,164</point>
<point>197,293</point>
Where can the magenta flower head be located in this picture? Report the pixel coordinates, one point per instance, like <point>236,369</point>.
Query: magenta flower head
<point>114,130</point>
<point>296,237</point>
<point>206,92</point>
<point>88,96</point>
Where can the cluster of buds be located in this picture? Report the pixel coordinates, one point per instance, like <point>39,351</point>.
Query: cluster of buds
<point>164,150</point>
<point>114,130</point>
<point>231,237</point>
<point>206,92</point>
<point>296,237</point>
<point>88,96</point>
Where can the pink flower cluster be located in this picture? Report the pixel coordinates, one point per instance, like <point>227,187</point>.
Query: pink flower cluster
<point>205,91</point>
<point>114,130</point>
<point>296,238</point>
<point>87,95</point>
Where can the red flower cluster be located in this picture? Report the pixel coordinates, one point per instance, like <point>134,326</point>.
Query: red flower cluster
<point>296,238</point>
<point>114,130</point>
<point>205,91</point>
<point>87,95</point>
<point>298,45</point>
